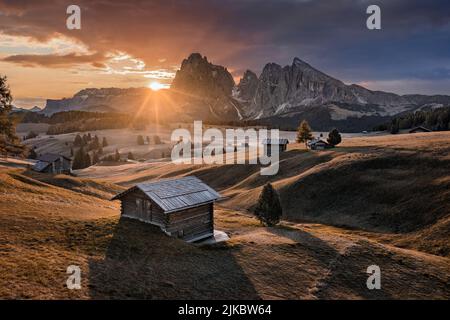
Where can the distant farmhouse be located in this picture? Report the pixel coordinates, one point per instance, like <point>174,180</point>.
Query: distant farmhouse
<point>182,208</point>
<point>318,144</point>
<point>281,144</point>
<point>419,129</point>
<point>53,163</point>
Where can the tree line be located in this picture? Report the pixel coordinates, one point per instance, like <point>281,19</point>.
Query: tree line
<point>434,119</point>
<point>76,121</point>
<point>87,145</point>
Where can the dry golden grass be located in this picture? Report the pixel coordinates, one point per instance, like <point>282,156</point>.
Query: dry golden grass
<point>48,223</point>
<point>396,185</point>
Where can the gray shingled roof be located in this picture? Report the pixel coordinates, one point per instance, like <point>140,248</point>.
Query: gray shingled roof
<point>176,194</point>
<point>40,166</point>
<point>314,141</point>
<point>275,141</point>
<point>50,157</point>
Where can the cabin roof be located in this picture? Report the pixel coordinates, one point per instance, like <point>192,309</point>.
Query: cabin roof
<point>280,141</point>
<point>419,128</point>
<point>316,141</point>
<point>40,166</point>
<point>176,194</point>
<point>50,157</point>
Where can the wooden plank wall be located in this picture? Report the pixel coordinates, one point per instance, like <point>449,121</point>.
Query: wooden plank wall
<point>186,224</point>
<point>191,223</point>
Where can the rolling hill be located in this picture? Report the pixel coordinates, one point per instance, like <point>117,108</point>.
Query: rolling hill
<point>373,200</point>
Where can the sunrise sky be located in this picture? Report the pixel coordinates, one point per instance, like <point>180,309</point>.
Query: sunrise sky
<point>140,43</point>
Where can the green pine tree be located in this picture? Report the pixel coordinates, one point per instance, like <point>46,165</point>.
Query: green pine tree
<point>304,133</point>
<point>9,142</point>
<point>334,137</point>
<point>140,140</point>
<point>268,209</point>
<point>87,160</point>
<point>395,126</point>
<point>78,141</point>
<point>117,156</point>
<point>95,158</point>
<point>78,160</point>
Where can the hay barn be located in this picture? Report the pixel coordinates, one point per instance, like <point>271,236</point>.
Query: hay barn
<point>53,163</point>
<point>281,144</point>
<point>182,208</point>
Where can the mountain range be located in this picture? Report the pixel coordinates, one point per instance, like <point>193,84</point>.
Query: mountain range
<point>278,96</point>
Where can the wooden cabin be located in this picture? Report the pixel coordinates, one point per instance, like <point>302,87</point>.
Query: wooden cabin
<point>419,129</point>
<point>182,208</point>
<point>318,144</point>
<point>281,144</point>
<point>53,163</point>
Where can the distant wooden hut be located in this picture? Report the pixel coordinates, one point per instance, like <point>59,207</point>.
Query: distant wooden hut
<point>318,144</point>
<point>53,163</point>
<point>281,144</point>
<point>182,208</point>
<point>419,129</point>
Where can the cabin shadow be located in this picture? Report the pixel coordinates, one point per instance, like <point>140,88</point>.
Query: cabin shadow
<point>141,262</point>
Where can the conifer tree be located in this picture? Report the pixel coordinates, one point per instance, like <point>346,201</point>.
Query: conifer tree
<point>140,140</point>
<point>304,133</point>
<point>117,156</point>
<point>334,137</point>
<point>268,209</point>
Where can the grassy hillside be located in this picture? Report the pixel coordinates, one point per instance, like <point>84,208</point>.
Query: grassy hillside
<point>395,185</point>
<point>379,201</point>
<point>47,224</point>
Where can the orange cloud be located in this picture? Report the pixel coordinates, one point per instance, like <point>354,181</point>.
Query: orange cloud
<point>56,61</point>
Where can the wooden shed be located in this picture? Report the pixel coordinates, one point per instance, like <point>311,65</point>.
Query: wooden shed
<point>318,144</point>
<point>182,208</point>
<point>53,163</point>
<point>281,144</point>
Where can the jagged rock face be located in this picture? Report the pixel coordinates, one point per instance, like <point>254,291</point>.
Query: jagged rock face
<point>282,90</point>
<point>247,86</point>
<point>199,77</point>
<point>281,95</point>
<point>100,100</point>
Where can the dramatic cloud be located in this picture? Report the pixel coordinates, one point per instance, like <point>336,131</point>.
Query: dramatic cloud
<point>56,61</point>
<point>413,44</point>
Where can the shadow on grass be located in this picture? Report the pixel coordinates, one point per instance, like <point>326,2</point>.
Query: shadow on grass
<point>141,262</point>
<point>346,271</point>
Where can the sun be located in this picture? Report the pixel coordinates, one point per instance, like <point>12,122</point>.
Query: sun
<point>156,86</point>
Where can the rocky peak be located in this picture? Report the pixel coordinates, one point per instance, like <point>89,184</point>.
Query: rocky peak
<point>200,77</point>
<point>247,86</point>
<point>300,63</point>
